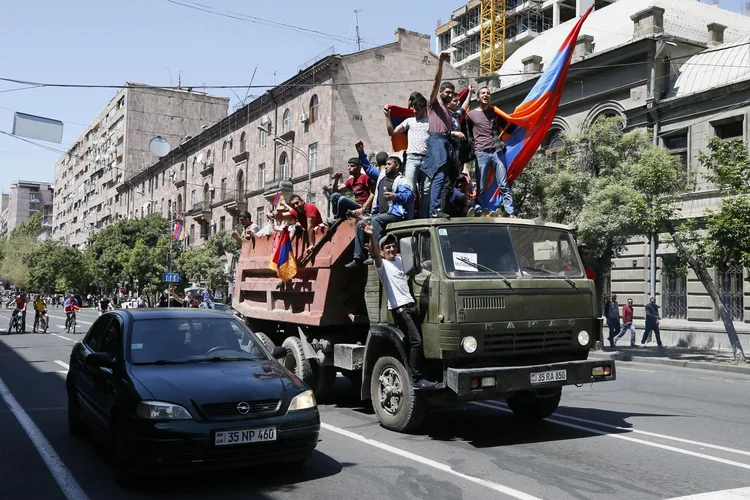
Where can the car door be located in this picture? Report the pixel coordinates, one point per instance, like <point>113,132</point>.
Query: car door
<point>423,285</point>
<point>104,379</point>
<point>87,376</point>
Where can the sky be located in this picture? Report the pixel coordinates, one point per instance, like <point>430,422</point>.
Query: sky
<point>156,42</point>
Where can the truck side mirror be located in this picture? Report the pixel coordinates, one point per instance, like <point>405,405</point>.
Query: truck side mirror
<point>408,256</point>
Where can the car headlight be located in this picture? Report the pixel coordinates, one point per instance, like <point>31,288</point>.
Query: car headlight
<point>583,337</point>
<point>469,344</point>
<point>158,410</point>
<point>302,401</point>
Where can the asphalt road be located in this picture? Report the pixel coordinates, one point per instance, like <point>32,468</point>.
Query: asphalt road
<point>657,432</point>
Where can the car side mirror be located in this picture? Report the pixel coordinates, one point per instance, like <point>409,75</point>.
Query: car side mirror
<point>100,360</point>
<point>408,257</point>
<point>278,352</point>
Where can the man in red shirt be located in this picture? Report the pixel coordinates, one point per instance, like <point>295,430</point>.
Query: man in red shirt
<point>360,184</point>
<point>308,218</point>
<point>585,254</point>
<point>627,323</point>
<point>21,302</point>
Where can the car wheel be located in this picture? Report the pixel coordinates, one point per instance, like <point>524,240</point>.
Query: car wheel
<point>295,360</point>
<point>75,425</point>
<point>531,405</point>
<point>398,406</point>
<point>120,465</point>
<point>265,340</point>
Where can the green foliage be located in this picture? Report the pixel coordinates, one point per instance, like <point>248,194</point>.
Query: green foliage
<point>203,264</point>
<point>221,243</point>
<point>55,267</point>
<point>728,164</point>
<point>31,227</point>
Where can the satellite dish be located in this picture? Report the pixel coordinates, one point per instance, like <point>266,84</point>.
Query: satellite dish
<point>159,146</point>
<point>199,158</point>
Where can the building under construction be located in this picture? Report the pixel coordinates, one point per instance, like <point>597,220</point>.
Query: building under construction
<point>482,33</point>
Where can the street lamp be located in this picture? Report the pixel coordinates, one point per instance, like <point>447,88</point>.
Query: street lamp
<point>288,144</point>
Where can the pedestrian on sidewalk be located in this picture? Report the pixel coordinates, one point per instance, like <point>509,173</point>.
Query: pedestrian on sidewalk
<point>627,323</point>
<point>613,318</point>
<point>652,322</point>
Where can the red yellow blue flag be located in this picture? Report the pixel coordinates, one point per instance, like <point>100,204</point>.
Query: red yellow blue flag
<point>179,231</point>
<point>398,114</point>
<point>282,257</point>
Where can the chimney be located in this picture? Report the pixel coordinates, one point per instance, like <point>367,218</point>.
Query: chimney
<point>715,34</point>
<point>532,64</point>
<point>584,46</point>
<point>649,21</point>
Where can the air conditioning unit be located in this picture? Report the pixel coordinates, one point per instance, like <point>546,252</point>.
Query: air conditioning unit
<point>303,118</point>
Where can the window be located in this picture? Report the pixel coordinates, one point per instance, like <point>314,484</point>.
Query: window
<point>192,233</point>
<point>262,175</point>
<point>313,114</point>
<point>94,337</point>
<point>209,160</point>
<point>222,223</point>
<point>553,143</point>
<point>731,290</point>
<point>729,130</point>
<point>195,166</point>
<point>425,255</point>
<point>243,142</point>
<point>225,151</point>
<point>179,206</point>
<point>674,288</point>
<point>263,136</point>
<point>192,197</point>
<point>206,194</point>
<point>312,155</point>
<point>110,341</point>
<point>240,187</point>
<point>677,145</point>
<point>224,188</point>
<point>260,216</point>
<point>284,166</point>
<point>205,230</point>
<point>287,124</point>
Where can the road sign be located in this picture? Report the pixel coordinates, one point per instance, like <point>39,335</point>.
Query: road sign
<point>171,277</point>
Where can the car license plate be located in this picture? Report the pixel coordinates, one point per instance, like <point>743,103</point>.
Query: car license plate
<point>550,376</point>
<point>244,436</point>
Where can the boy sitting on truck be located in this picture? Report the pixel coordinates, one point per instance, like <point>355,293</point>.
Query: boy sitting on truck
<point>400,302</point>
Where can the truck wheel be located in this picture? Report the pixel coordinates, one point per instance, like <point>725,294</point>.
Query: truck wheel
<point>267,342</point>
<point>295,360</point>
<point>398,406</point>
<point>531,405</point>
<point>323,380</point>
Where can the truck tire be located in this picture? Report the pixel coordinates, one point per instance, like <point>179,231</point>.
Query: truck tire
<point>295,360</point>
<point>398,406</point>
<point>323,380</point>
<point>267,342</point>
<point>529,405</point>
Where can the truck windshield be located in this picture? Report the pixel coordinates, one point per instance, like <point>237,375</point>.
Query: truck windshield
<point>514,252</point>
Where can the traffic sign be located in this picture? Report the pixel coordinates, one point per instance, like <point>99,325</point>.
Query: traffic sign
<point>171,277</point>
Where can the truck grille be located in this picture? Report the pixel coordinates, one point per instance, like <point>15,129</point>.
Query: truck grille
<point>484,302</point>
<point>527,342</point>
<point>230,411</point>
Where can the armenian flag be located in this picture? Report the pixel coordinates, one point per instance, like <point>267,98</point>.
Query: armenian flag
<point>282,257</point>
<point>179,231</point>
<point>277,199</point>
<point>527,126</point>
<point>398,114</point>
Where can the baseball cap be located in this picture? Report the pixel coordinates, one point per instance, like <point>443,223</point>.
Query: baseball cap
<point>388,238</point>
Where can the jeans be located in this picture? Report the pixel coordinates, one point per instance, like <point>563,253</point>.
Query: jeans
<point>625,327</point>
<point>413,174</point>
<point>341,204</point>
<point>407,320</point>
<point>614,327</point>
<point>495,160</point>
<point>651,326</point>
<point>424,195</point>
<point>379,223</point>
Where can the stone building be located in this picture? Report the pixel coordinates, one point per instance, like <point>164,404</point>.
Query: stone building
<point>115,147</point>
<point>302,130</point>
<point>25,199</point>
<point>683,70</point>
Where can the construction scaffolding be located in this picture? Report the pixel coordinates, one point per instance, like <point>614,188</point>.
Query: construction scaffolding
<point>492,36</point>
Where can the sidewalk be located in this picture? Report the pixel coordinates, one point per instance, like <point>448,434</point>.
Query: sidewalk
<point>687,357</point>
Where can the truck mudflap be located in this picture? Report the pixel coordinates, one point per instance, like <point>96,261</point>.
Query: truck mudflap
<point>465,381</point>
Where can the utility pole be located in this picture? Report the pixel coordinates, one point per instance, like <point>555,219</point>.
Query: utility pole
<point>359,40</point>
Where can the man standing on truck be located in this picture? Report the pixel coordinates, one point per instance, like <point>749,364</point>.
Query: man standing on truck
<point>400,302</point>
<point>308,218</point>
<point>360,184</point>
<point>251,229</point>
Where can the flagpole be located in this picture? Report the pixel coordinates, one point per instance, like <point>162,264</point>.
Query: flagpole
<point>171,237</point>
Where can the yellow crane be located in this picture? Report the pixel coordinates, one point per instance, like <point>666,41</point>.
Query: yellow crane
<point>491,36</point>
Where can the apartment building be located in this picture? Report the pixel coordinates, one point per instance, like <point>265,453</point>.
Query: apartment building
<point>115,147</point>
<point>24,200</point>
<point>302,131</point>
<point>524,21</point>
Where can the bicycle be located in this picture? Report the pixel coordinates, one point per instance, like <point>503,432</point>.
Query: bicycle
<point>43,322</point>
<point>70,321</point>
<point>15,322</point>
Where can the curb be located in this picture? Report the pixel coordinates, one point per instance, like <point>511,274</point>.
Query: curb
<point>699,365</point>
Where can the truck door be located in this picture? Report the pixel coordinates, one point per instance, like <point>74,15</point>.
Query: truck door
<point>424,286</point>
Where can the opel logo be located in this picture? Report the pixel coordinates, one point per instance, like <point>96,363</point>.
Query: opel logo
<point>243,408</point>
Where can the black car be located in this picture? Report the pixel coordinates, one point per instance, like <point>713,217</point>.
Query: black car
<point>177,389</point>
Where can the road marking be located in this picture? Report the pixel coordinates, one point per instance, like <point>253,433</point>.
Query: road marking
<point>736,494</point>
<point>70,488</point>
<point>78,321</point>
<point>639,441</point>
<point>430,463</point>
<point>66,338</point>
<point>53,408</point>
<point>634,369</point>
<point>64,365</point>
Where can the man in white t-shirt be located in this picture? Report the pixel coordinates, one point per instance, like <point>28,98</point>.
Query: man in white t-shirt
<point>400,302</point>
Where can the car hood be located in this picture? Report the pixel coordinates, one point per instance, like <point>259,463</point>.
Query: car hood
<point>217,382</point>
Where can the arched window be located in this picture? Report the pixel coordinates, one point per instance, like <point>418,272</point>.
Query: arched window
<point>225,151</point>
<point>240,183</point>
<point>313,114</point>
<point>243,142</point>
<point>287,124</point>
<point>209,159</point>
<point>553,143</point>
<point>206,195</point>
<point>179,206</point>
<point>284,166</point>
<point>195,166</point>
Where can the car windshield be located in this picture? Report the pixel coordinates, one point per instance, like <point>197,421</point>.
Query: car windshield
<point>479,251</point>
<point>192,340</point>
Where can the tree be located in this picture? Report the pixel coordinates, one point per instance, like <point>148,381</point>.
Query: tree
<point>203,263</point>
<point>30,227</point>
<point>55,267</point>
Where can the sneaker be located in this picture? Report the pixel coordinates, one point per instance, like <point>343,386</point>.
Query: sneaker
<point>511,216</point>
<point>633,345</point>
<point>354,263</point>
<point>368,261</point>
<point>612,343</point>
<point>496,213</point>
<point>471,212</point>
<point>440,215</point>
<point>424,385</point>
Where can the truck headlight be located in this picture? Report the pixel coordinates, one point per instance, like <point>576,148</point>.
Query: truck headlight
<point>303,401</point>
<point>583,337</point>
<point>159,410</point>
<point>469,344</point>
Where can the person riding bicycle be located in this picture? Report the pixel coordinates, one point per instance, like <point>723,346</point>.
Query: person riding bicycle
<point>21,302</point>
<point>40,308</point>
<point>70,306</point>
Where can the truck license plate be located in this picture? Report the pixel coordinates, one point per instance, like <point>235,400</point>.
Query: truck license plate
<point>243,436</point>
<point>550,376</point>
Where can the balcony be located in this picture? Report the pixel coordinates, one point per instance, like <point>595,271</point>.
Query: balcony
<point>235,201</point>
<point>207,169</point>
<point>178,182</point>
<point>201,211</point>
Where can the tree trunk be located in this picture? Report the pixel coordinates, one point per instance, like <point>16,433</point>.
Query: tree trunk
<point>703,275</point>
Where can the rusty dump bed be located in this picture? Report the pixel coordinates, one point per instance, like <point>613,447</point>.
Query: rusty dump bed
<point>324,292</point>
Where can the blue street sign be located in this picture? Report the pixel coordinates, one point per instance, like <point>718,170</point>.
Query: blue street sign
<point>171,277</point>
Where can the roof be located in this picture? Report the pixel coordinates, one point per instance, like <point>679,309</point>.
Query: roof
<point>170,313</point>
<point>611,27</point>
<point>715,67</point>
<point>460,221</point>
